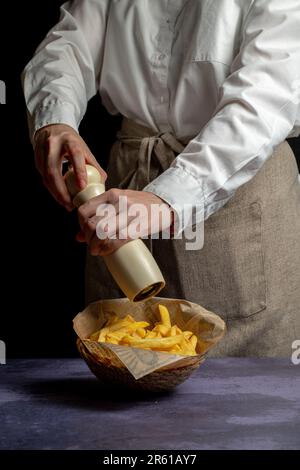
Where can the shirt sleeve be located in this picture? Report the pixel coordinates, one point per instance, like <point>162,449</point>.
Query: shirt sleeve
<point>64,72</point>
<point>256,111</point>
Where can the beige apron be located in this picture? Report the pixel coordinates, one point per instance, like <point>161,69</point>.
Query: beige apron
<point>248,271</point>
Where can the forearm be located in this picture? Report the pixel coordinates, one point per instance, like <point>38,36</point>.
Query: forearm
<point>64,72</point>
<point>257,110</point>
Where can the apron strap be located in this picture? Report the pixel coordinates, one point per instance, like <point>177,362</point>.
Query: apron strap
<point>163,145</point>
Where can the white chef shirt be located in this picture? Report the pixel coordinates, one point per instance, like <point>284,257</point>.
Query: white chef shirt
<point>222,75</point>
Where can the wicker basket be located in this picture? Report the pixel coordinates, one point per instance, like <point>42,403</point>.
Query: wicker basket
<point>154,373</point>
<point>111,372</point>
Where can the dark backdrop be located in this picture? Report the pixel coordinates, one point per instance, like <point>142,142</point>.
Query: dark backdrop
<point>42,265</point>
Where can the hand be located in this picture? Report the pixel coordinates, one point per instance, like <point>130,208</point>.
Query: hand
<point>53,144</point>
<point>117,223</point>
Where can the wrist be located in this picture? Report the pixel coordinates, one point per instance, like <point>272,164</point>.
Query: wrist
<point>171,227</point>
<point>56,128</point>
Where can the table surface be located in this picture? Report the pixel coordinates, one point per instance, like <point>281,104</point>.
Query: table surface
<point>227,404</point>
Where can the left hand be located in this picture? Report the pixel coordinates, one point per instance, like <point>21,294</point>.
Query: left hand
<point>117,223</point>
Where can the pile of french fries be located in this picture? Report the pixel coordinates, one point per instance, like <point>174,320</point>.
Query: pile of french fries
<point>137,334</point>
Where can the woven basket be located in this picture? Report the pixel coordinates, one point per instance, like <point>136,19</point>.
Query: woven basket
<point>111,372</point>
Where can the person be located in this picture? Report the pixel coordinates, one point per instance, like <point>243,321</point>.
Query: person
<point>209,92</point>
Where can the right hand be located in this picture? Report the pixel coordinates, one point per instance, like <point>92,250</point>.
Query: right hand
<point>55,143</point>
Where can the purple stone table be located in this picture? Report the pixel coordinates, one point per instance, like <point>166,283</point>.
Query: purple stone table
<point>227,404</point>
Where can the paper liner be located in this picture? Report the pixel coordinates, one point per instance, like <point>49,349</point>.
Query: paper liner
<point>207,326</point>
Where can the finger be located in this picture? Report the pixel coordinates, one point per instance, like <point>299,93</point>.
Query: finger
<point>105,224</point>
<point>104,247</point>
<point>89,228</point>
<point>107,229</point>
<point>41,150</point>
<point>80,237</point>
<point>57,187</point>
<point>137,228</point>
<point>115,225</point>
<point>110,197</point>
<point>91,160</point>
<point>97,246</point>
<point>75,153</point>
<point>63,201</point>
<point>53,177</point>
<point>96,206</point>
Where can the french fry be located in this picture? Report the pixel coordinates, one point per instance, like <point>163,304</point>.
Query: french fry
<point>173,331</point>
<point>184,344</point>
<point>137,324</point>
<point>103,334</point>
<point>193,341</point>
<point>162,329</point>
<point>162,337</point>
<point>113,341</point>
<point>188,334</point>
<point>113,319</point>
<point>165,316</point>
<point>175,349</point>
<point>141,332</point>
<point>116,335</point>
<point>154,343</point>
<point>150,334</point>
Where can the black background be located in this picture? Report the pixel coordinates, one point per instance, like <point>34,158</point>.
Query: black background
<point>42,265</point>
